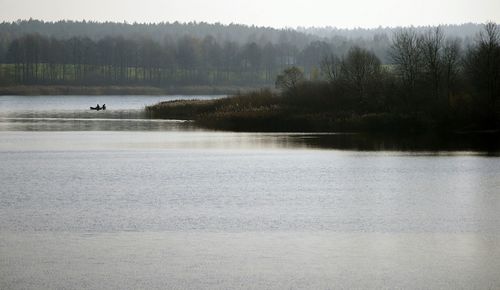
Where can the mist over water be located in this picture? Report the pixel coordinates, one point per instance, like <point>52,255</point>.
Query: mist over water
<point>115,200</point>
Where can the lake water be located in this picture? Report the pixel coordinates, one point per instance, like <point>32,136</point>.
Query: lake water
<point>114,200</point>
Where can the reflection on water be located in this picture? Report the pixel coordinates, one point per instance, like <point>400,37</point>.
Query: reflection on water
<point>125,113</point>
<point>114,200</point>
<point>46,105</point>
<point>72,113</point>
<point>92,124</point>
<point>171,134</point>
<point>487,143</point>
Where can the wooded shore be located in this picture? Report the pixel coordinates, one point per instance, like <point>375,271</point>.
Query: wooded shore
<point>33,90</point>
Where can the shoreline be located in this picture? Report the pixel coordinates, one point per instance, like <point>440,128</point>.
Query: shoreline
<point>263,112</point>
<point>44,90</point>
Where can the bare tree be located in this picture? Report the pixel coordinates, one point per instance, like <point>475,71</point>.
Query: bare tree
<point>489,44</point>
<point>483,65</point>
<point>431,47</point>
<point>406,55</point>
<point>330,67</point>
<point>451,65</point>
<point>290,78</point>
<point>360,67</point>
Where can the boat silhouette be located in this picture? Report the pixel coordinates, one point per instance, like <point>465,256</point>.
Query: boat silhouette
<point>97,108</point>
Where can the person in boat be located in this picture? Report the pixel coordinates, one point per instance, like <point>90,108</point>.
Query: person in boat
<point>104,106</point>
<point>97,107</point>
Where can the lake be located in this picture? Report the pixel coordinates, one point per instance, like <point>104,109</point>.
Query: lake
<point>115,200</point>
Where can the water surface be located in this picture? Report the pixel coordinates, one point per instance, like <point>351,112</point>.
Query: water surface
<point>119,201</point>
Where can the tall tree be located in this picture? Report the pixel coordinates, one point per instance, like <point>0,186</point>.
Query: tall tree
<point>483,67</point>
<point>432,50</point>
<point>451,66</point>
<point>407,57</point>
<point>360,68</point>
<point>289,79</point>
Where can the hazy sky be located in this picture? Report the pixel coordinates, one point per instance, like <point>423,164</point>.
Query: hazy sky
<point>276,13</point>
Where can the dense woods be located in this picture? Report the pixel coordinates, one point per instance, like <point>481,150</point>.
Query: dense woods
<point>433,83</point>
<point>425,77</point>
<point>176,54</point>
<point>36,59</point>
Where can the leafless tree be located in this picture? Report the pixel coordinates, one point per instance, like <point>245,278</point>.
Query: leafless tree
<point>451,64</point>
<point>483,65</point>
<point>406,55</point>
<point>431,47</point>
<point>330,67</point>
<point>290,78</point>
<point>489,44</point>
<point>360,67</point>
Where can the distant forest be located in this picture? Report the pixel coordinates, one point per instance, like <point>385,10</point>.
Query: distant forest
<point>182,54</point>
<point>433,84</point>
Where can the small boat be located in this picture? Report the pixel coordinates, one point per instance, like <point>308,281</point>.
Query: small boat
<point>98,108</point>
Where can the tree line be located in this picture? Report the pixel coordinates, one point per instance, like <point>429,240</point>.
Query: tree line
<point>432,81</point>
<point>37,59</point>
<point>172,54</point>
<point>433,85</point>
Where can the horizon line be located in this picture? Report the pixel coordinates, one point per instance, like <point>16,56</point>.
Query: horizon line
<point>296,28</point>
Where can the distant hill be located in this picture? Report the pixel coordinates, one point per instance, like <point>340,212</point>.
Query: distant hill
<point>376,39</point>
<point>157,31</point>
<point>174,54</point>
<point>451,30</point>
<point>239,33</point>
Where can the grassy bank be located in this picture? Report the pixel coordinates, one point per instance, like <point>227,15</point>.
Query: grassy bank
<point>265,111</point>
<point>118,90</point>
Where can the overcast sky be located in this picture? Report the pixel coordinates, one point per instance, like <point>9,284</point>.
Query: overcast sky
<point>275,13</point>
